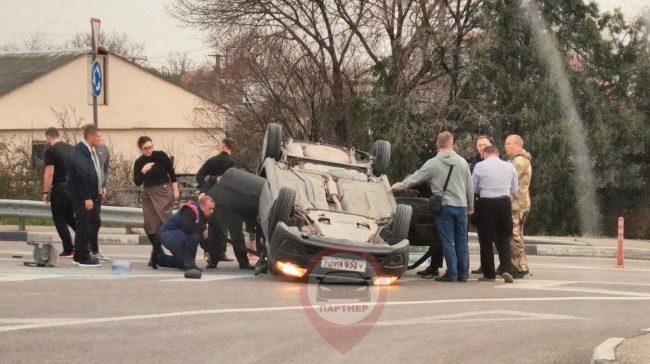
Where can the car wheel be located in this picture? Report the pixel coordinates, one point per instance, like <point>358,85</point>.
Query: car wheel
<point>282,208</point>
<point>381,152</point>
<point>272,143</point>
<point>401,224</point>
<point>238,191</point>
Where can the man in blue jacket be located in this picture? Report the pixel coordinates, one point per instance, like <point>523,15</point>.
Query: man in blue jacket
<point>84,185</point>
<point>183,232</point>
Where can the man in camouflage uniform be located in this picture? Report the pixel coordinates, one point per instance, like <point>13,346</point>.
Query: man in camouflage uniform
<point>520,159</point>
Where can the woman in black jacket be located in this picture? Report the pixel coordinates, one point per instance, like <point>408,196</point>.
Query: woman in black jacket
<point>155,170</point>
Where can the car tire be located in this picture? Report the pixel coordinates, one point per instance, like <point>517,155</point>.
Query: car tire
<point>238,191</point>
<point>401,224</point>
<point>272,147</point>
<point>381,152</point>
<point>282,208</point>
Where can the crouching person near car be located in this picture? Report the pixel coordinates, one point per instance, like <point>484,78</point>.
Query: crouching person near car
<point>182,233</point>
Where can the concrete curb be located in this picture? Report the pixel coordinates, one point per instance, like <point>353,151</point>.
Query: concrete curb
<point>109,239</point>
<point>604,353</point>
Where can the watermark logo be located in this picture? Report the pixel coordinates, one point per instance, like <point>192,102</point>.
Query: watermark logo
<point>339,306</point>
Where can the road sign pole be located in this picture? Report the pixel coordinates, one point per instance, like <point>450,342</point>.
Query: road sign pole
<point>94,26</point>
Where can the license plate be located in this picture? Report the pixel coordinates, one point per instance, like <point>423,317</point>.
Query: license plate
<point>344,264</point>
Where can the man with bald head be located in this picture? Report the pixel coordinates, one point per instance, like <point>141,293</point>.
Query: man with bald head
<point>520,159</point>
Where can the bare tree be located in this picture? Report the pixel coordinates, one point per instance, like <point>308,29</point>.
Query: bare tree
<point>120,44</point>
<point>178,64</point>
<point>312,27</point>
<point>68,122</point>
<point>36,41</point>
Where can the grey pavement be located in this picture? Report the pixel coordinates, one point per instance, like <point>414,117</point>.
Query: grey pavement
<point>70,314</point>
<point>634,350</point>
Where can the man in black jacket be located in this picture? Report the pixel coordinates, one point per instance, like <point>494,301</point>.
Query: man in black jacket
<point>57,162</point>
<point>219,164</point>
<point>207,175</point>
<point>84,185</point>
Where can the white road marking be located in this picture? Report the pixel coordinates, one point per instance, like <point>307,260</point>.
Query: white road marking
<point>178,277</point>
<point>477,316</point>
<point>547,285</point>
<point>26,277</point>
<point>48,323</point>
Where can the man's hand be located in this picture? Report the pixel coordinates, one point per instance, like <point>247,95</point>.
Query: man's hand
<point>470,212</point>
<point>46,197</point>
<point>147,167</point>
<point>104,194</point>
<point>201,195</point>
<point>89,204</point>
<point>176,194</point>
<point>394,187</point>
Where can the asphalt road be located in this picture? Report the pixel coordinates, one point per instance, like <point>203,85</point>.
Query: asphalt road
<point>69,314</point>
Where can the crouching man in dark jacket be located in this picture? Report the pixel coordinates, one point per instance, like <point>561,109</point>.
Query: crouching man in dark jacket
<point>183,232</point>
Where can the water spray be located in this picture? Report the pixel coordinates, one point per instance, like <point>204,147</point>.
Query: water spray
<point>584,180</point>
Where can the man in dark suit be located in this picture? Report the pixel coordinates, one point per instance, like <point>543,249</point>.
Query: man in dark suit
<point>84,185</point>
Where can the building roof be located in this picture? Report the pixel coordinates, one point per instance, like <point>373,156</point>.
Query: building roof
<point>18,69</point>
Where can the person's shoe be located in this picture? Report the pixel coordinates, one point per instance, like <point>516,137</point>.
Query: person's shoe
<point>225,258</point>
<point>486,279</point>
<point>211,266</point>
<point>247,267</point>
<point>507,277</point>
<point>429,273</point>
<point>478,271</point>
<point>446,278</point>
<point>100,257</point>
<point>90,262</point>
<point>67,253</point>
<point>153,260</point>
<point>261,267</point>
<point>463,279</point>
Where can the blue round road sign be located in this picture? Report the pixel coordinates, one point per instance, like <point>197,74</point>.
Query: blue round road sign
<point>96,78</point>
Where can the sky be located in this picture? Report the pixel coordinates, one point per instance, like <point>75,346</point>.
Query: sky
<point>143,20</point>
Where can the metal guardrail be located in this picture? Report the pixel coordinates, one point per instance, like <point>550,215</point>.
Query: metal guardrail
<point>127,216</point>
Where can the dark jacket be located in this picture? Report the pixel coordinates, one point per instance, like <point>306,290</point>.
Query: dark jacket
<point>189,219</point>
<point>82,177</point>
<point>474,161</point>
<point>215,167</point>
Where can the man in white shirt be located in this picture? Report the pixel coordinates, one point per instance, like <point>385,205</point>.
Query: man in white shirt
<point>494,181</point>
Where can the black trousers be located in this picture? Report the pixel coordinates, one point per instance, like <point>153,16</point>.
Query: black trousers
<point>221,225</point>
<point>88,223</point>
<point>495,227</point>
<point>62,214</point>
